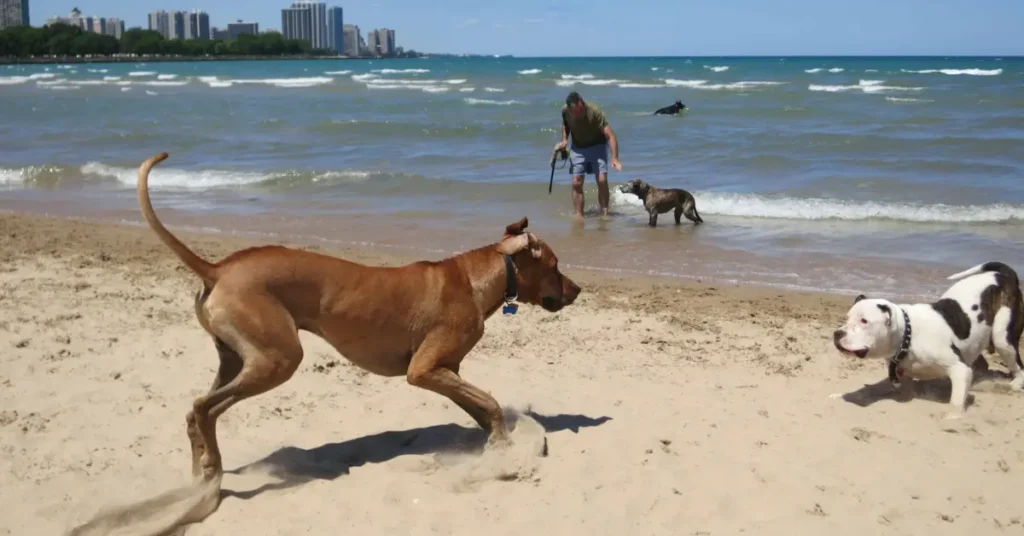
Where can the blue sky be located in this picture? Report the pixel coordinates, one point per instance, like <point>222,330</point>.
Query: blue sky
<point>641,27</point>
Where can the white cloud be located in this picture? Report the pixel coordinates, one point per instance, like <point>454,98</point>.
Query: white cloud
<point>471,22</point>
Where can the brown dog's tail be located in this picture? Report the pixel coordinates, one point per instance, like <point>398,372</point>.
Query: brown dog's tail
<point>205,270</point>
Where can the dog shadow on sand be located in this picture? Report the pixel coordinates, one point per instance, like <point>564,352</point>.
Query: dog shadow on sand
<point>294,466</point>
<point>934,390</point>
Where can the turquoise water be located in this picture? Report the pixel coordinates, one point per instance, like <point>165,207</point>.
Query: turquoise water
<point>874,174</point>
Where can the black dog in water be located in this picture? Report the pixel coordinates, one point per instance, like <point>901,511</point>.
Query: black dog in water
<point>671,110</point>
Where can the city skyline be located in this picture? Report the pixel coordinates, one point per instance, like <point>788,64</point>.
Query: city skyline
<point>739,28</point>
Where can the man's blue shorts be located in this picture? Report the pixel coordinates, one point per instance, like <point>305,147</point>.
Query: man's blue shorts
<point>589,160</point>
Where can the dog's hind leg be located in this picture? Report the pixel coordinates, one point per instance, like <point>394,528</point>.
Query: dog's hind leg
<point>230,366</point>
<point>690,210</point>
<point>263,335</point>
<point>679,214</point>
<point>1007,346</point>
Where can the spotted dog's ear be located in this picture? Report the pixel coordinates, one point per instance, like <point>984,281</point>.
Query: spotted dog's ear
<point>859,298</point>
<point>888,314</point>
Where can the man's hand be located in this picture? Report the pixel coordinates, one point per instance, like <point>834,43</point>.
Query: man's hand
<point>561,145</point>
<point>616,164</point>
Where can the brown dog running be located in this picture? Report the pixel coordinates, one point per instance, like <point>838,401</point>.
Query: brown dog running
<point>417,321</point>
<point>659,201</point>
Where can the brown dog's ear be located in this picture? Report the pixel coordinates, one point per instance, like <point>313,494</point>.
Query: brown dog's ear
<point>514,244</point>
<point>517,227</point>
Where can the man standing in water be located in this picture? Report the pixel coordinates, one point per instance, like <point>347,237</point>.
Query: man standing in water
<point>591,138</point>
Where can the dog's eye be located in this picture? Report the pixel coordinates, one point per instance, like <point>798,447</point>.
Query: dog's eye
<point>863,320</point>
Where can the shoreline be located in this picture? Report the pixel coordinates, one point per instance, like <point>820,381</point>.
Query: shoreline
<point>384,254</point>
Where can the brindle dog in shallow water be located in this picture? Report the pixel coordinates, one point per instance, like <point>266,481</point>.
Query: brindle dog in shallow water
<point>659,201</point>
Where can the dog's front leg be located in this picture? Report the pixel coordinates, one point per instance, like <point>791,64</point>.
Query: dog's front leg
<point>653,219</point>
<point>434,367</point>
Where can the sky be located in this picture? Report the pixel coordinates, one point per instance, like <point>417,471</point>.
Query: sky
<point>638,27</point>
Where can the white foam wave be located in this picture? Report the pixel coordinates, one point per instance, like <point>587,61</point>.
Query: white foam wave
<point>111,78</point>
<point>866,86</point>
<point>815,70</point>
<point>642,86</point>
<point>906,100</point>
<point>220,83</point>
<point>126,89</point>
<point>717,69</point>
<point>655,68</point>
<point>174,178</point>
<point>586,76</point>
<point>281,82</point>
<point>165,83</point>
<point>467,89</point>
<point>15,80</point>
<point>494,90</point>
<point>734,86</point>
<point>455,81</point>
<point>436,89</point>
<point>44,83</point>
<point>959,72</point>
<point>401,71</point>
<point>756,206</point>
<point>98,70</point>
<point>364,77</point>
<point>142,73</point>
<point>589,82</point>
<point>166,77</point>
<point>338,73</point>
<point>472,101</point>
<point>63,88</point>
<point>154,93</point>
<point>836,70</point>
<point>530,71</point>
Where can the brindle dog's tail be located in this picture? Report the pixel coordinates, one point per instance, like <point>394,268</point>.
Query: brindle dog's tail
<point>690,210</point>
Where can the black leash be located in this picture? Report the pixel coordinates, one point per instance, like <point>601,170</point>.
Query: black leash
<point>556,155</point>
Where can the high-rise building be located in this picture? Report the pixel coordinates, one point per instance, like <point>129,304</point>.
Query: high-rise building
<point>112,26</point>
<point>313,22</point>
<point>336,30</point>
<point>160,21</point>
<point>297,23</point>
<point>197,25</point>
<point>13,13</point>
<point>371,42</point>
<point>352,40</point>
<point>178,19</point>
<point>381,42</point>
<point>238,28</point>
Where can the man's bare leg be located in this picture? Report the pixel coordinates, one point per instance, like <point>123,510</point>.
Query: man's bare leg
<point>577,195</point>
<point>602,192</point>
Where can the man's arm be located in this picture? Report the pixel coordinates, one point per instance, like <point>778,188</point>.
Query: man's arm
<point>565,133</point>
<point>613,142</point>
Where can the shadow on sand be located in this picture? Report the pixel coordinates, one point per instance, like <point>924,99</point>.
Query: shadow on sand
<point>294,466</point>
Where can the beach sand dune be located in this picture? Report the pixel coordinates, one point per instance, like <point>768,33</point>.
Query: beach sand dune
<point>649,407</point>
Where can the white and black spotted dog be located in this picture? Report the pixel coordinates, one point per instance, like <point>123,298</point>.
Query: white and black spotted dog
<point>944,338</point>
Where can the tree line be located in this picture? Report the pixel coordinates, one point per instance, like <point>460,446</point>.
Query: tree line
<point>66,40</point>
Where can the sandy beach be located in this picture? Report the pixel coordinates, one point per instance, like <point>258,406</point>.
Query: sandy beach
<point>667,408</point>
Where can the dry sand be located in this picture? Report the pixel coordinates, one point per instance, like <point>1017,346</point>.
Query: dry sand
<point>667,409</point>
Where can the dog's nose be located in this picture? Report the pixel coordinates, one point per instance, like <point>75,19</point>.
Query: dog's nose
<point>574,291</point>
<point>838,335</point>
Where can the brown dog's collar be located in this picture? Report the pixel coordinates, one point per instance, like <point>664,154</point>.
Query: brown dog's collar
<point>511,292</point>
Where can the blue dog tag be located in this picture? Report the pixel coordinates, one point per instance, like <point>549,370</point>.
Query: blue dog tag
<point>510,309</point>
